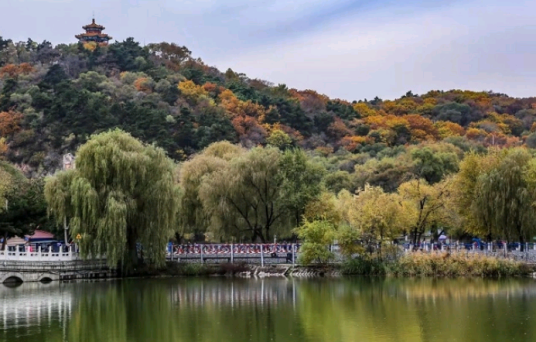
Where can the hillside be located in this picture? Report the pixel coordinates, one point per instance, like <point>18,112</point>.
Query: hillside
<point>52,98</point>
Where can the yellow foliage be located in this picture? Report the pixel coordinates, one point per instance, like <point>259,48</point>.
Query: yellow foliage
<point>376,214</point>
<point>363,109</point>
<point>91,46</point>
<point>191,91</point>
<point>447,129</point>
<point>424,205</point>
<point>324,208</point>
<point>3,146</point>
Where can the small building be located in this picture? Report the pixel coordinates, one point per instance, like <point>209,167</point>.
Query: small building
<point>68,162</point>
<point>39,238</point>
<point>94,34</point>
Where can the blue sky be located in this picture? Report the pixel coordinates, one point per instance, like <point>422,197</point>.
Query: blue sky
<point>343,48</point>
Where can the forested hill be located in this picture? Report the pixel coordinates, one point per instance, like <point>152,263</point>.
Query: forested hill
<point>52,98</point>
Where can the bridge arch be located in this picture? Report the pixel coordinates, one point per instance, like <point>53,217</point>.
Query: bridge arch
<point>11,278</point>
<point>45,279</point>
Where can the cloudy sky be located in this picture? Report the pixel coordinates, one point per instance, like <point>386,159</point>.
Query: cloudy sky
<point>350,49</point>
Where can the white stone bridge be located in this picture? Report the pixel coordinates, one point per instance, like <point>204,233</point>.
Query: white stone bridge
<point>26,266</point>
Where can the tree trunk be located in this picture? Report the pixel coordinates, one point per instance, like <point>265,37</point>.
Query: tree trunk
<point>132,253</point>
<point>414,232</point>
<point>4,242</point>
<point>254,236</point>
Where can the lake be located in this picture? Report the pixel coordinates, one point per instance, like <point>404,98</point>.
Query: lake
<point>281,310</point>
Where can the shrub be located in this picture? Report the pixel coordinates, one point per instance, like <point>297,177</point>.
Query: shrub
<point>457,264</point>
<point>438,265</point>
<point>364,266</point>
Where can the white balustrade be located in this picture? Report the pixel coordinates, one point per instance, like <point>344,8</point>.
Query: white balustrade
<point>40,255</point>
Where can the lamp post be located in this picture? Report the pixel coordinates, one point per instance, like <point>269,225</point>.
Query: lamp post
<point>65,227</point>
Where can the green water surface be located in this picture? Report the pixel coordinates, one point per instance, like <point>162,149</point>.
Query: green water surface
<point>281,310</point>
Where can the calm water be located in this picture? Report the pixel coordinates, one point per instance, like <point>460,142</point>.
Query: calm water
<point>221,310</point>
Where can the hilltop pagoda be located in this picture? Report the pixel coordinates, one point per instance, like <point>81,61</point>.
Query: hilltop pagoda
<point>93,34</point>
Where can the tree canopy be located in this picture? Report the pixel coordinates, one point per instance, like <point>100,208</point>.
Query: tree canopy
<point>121,194</point>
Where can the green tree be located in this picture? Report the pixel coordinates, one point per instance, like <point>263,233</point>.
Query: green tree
<point>302,182</point>
<point>22,205</point>
<point>279,139</point>
<point>434,165</point>
<point>317,235</point>
<point>245,199</point>
<point>505,197</point>
<point>192,216</point>
<point>121,193</point>
<point>465,191</point>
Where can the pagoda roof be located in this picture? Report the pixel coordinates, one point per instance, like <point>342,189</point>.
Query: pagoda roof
<point>93,25</point>
<point>100,35</point>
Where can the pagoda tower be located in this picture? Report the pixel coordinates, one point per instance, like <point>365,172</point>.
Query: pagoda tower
<point>93,34</point>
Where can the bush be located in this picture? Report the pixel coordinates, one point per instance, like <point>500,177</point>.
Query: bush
<point>364,266</point>
<point>194,270</point>
<point>456,265</point>
<point>438,265</point>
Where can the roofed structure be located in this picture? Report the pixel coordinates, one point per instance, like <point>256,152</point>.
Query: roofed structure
<point>94,34</point>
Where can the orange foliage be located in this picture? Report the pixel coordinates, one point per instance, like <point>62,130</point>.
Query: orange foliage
<point>142,84</point>
<point>351,143</point>
<point>476,134</point>
<point>303,95</point>
<point>9,122</point>
<point>338,129</point>
<point>14,70</point>
<point>235,107</point>
<point>213,89</point>
<point>421,128</point>
<point>248,127</point>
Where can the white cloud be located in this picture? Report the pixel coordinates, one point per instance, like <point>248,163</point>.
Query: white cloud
<point>479,45</point>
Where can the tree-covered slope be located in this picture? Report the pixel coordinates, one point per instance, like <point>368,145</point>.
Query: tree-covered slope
<point>52,98</point>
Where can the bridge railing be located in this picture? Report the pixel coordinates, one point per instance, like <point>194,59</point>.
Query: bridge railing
<point>236,249</point>
<point>267,253</point>
<point>40,255</point>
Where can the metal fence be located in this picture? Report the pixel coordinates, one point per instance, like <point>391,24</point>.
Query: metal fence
<point>235,253</point>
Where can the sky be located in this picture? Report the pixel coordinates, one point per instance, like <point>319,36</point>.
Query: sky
<point>348,49</point>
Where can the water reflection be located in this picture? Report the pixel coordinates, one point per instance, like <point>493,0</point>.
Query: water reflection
<point>270,310</point>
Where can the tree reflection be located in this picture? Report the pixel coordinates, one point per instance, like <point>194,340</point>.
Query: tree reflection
<point>199,310</point>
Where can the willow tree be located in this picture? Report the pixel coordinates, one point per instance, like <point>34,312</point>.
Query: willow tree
<point>246,198</point>
<point>192,217</point>
<point>464,189</point>
<point>121,194</point>
<point>505,196</point>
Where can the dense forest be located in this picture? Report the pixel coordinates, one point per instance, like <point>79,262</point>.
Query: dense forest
<point>54,98</point>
